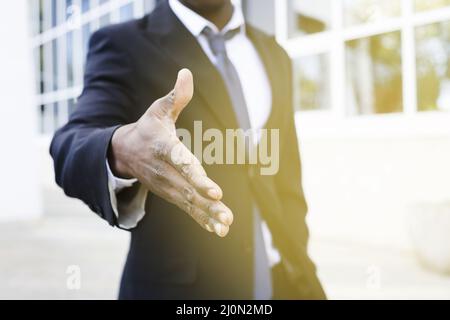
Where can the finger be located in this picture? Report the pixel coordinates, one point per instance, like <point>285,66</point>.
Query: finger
<point>174,188</point>
<point>201,217</point>
<point>214,209</point>
<point>182,159</point>
<point>174,103</point>
<point>182,93</point>
<point>166,191</point>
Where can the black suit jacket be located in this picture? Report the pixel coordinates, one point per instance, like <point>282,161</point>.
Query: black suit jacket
<point>128,67</point>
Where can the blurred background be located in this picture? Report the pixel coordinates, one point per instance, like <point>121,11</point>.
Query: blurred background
<point>372,95</point>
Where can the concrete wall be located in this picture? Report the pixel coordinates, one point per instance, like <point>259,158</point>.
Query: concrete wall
<point>365,190</point>
<point>19,191</point>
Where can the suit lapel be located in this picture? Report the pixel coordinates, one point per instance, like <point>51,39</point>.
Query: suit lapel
<point>183,49</point>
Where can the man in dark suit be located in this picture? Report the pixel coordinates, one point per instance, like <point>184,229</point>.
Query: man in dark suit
<point>117,155</point>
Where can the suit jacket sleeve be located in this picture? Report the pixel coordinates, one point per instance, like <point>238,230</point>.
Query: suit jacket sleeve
<point>79,149</point>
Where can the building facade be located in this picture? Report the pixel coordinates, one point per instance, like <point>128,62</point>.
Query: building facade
<point>20,192</point>
<point>372,91</point>
<point>351,57</point>
<point>60,33</point>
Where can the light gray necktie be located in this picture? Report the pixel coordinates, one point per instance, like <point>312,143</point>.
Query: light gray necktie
<point>262,272</point>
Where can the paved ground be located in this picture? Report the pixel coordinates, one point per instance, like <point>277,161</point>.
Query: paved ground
<point>351,271</point>
<point>35,257</point>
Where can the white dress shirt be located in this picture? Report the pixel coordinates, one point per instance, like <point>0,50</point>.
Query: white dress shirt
<point>257,93</point>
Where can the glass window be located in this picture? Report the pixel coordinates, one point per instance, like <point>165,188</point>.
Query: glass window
<point>423,5</point>
<point>47,73</point>
<point>69,8</point>
<point>312,82</point>
<point>72,104</point>
<point>36,65</point>
<point>33,14</point>
<point>85,5</point>
<point>61,80</point>
<point>304,18</point>
<point>59,61</point>
<point>126,12</point>
<point>365,11</point>
<point>47,117</point>
<point>41,16</point>
<point>55,117</point>
<point>86,34</point>
<point>73,15</point>
<point>41,69</point>
<point>54,21</point>
<point>61,114</point>
<point>70,58</point>
<point>41,118</point>
<point>46,13</point>
<point>433,66</point>
<point>60,12</point>
<point>374,74</point>
<point>55,76</point>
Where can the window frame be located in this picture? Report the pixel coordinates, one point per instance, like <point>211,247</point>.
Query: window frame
<point>334,122</point>
<point>64,92</point>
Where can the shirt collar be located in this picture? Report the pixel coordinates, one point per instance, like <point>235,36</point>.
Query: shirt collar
<point>195,23</point>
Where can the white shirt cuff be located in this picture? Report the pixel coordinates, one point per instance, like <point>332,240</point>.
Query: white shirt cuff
<point>118,184</point>
<point>128,213</point>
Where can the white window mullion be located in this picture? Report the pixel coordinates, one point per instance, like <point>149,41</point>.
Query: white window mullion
<point>408,59</point>
<point>78,52</point>
<point>33,13</point>
<point>95,24</point>
<point>48,67</point>
<point>310,44</point>
<point>281,21</point>
<point>337,61</point>
<point>431,16</point>
<point>139,8</point>
<point>62,48</point>
<point>115,12</point>
<point>47,14</point>
<point>48,49</point>
<point>373,29</point>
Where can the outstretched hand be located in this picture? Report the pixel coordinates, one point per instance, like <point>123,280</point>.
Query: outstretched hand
<point>150,151</point>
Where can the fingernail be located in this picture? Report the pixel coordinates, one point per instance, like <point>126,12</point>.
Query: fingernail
<point>213,193</point>
<point>218,229</point>
<point>224,218</point>
<point>208,227</point>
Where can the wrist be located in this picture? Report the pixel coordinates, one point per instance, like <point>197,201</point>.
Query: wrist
<point>119,158</point>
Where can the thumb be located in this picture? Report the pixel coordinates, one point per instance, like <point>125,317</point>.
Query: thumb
<point>175,102</point>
